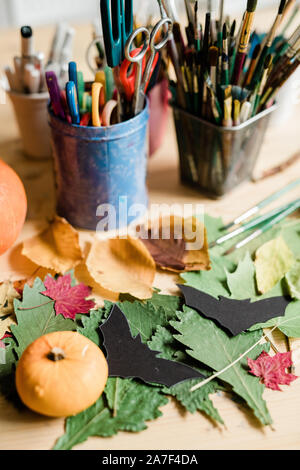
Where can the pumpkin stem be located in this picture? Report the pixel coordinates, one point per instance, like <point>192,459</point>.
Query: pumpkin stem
<point>56,354</point>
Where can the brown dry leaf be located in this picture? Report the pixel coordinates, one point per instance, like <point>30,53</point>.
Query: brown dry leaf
<point>123,266</point>
<point>180,245</point>
<point>56,248</point>
<point>7,295</point>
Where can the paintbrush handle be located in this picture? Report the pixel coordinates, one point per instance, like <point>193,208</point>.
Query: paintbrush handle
<point>260,67</point>
<point>266,227</point>
<point>238,68</point>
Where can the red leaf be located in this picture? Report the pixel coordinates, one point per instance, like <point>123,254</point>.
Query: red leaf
<point>7,335</point>
<point>272,370</point>
<point>69,300</point>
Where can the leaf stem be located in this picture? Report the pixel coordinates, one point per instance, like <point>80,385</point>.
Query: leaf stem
<point>37,306</point>
<point>217,374</point>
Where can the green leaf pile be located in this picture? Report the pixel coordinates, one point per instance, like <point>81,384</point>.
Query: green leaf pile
<point>135,404</point>
<point>177,333</point>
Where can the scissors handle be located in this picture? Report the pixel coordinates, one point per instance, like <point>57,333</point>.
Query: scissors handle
<point>117,25</point>
<point>143,76</point>
<point>156,47</point>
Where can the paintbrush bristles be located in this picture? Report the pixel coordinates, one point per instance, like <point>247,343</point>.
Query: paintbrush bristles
<point>251,5</point>
<point>232,30</point>
<point>256,51</point>
<point>225,33</point>
<point>268,61</point>
<point>213,55</point>
<point>281,7</point>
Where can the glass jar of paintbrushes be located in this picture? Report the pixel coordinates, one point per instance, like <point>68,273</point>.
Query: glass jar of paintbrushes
<point>227,78</point>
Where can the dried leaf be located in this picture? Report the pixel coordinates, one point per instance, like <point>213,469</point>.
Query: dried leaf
<point>122,266</point>
<point>7,295</point>
<point>7,317</point>
<point>55,248</point>
<point>177,244</point>
<point>273,260</point>
<point>293,280</point>
<point>272,370</point>
<point>69,300</point>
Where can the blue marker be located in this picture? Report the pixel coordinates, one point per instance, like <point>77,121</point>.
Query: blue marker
<point>73,74</point>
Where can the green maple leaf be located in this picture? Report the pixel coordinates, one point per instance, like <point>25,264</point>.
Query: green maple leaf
<point>241,282</point>
<point>90,324</point>
<point>211,282</point>
<point>242,286</point>
<point>36,317</point>
<point>213,347</point>
<point>143,318</point>
<point>7,374</point>
<point>137,403</point>
<point>164,342</point>
<point>289,325</point>
<point>170,303</point>
<point>213,227</point>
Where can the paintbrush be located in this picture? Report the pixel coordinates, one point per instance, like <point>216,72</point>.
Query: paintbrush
<point>206,40</point>
<point>244,40</point>
<point>283,62</point>
<point>197,33</point>
<point>261,87</point>
<point>221,14</point>
<point>290,210</point>
<point>190,28</point>
<point>236,112</point>
<point>225,67</point>
<point>267,44</point>
<point>250,225</point>
<point>264,203</point>
<point>245,111</point>
<point>286,45</point>
<point>293,16</point>
<point>272,91</point>
<point>213,55</point>
<point>250,71</point>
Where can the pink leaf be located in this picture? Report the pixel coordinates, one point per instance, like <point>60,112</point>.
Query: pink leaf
<point>2,345</point>
<point>69,300</point>
<point>272,370</point>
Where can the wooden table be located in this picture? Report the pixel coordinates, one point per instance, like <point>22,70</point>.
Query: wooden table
<point>176,429</point>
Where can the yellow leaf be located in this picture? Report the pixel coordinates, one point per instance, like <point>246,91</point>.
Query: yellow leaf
<point>122,266</point>
<point>56,248</point>
<point>272,261</point>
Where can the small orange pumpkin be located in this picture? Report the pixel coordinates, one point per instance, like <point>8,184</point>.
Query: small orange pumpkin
<point>13,207</point>
<point>61,374</point>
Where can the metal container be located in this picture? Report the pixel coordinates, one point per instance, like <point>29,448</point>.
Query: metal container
<point>100,166</point>
<point>214,158</point>
<point>31,116</point>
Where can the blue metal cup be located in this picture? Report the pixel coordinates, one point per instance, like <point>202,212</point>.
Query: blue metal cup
<point>100,166</point>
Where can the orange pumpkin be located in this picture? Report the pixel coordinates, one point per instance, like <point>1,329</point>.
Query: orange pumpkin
<point>61,374</point>
<point>13,207</point>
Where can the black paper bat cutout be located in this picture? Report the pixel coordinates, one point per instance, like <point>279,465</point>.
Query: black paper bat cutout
<point>128,357</point>
<point>234,315</point>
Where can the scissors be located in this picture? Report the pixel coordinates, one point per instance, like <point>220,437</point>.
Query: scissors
<point>117,24</point>
<point>127,76</point>
<point>143,75</point>
<point>72,101</point>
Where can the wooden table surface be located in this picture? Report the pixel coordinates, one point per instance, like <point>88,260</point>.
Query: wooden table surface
<point>176,429</point>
